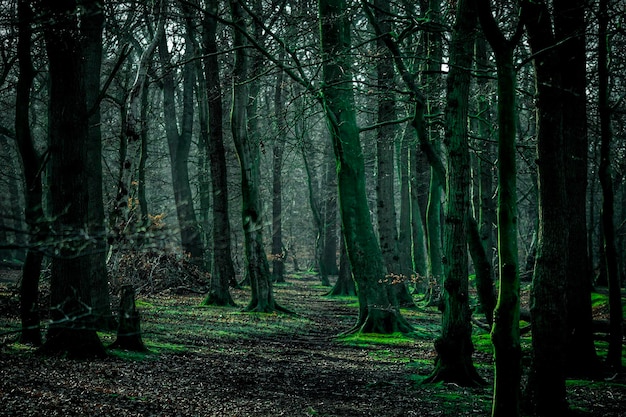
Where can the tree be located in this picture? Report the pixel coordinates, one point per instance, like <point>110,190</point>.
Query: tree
<point>385,149</point>
<point>569,31</point>
<point>454,346</point>
<point>33,190</point>
<point>505,334</point>
<point>223,271</point>
<point>378,309</point>
<point>179,143</point>
<point>545,391</point>
<point>614,356</point>
<point>91,31</point>
<point>248,153</point>
<point>278,249</point>
<point>71,330</point>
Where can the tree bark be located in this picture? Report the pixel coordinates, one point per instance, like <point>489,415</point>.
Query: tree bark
<point>545,392</point>
<point>179,143</point>
<point>223,271</point>
<point>249,159</point>
<point>378,310</point>
<point>569,26</point>
<point>278,249</point>
<point>33,190</point>
<point>454,347</point>
<point>92,24</point>
<point>71,331</point>
<point>614,356</point>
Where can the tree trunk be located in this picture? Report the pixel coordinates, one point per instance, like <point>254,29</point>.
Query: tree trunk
<point>545,392</point>
<point>344,286</point>
<point>278,249</point>
<point>92,23</point>
<point>71,331</point>
<point>33,190</point>
<point>179,146</point>
<point>317,218</point>
<point>329,254</point>
<point>385,149</point>
<point>223,272</point>
<point>129,329</point>
<point>454,346</point>
<point>378,310</point>
<point>614,356</point>
<point>249,159</point>
<point>569,24</point>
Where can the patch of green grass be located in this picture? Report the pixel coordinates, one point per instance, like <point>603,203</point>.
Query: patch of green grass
<point>369,339</point>
<point>602,348</point>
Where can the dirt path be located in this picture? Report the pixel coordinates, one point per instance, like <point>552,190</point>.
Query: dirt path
<point>220,362</point>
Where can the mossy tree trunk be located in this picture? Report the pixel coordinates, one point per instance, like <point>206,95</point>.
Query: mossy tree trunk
<point>33,190</point>
<point>483,259</point>
<point>344,286</point>
<point>71,331</point>
<point>223,271</point>
<point>378,309</point>
<point>454,347</point>
<point>545,391</point>
<point>505,334</point>
<point>248,152</point>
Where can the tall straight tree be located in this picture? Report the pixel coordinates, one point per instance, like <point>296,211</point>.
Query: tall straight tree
<point>454,346</point>
<point>248,152</point>
<point>223,271</point>
<point>71,331</point>
<point>614,355</point>
<point>33,189</point>
<point>545,391</point>
<point>179,142</point>
<point>92,24</point>
<point>385,149</point>
<point>378,308</point>
<point>505,333</point>
<point>278,258</point>
<point>569,30</point>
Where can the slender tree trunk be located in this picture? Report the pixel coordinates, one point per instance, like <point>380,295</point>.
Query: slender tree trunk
<point>329,254</point>
<point>33,190</point>
<point>223,272</point>
<point>249,159</point>
<point>278,249</point>
<point>419,246</point>
<point>545,392</point>
<point>317,218</point>
<point>486,211</point>
<point>378,310</point>
<point>344,286</point>
<point>385,149</point>
<point>454,347</point>
<point>505,334</point>
<point>614,356</point>
<point>179,146</point>
<point>71,331</point>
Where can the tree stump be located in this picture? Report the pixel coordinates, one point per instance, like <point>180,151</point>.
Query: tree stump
<point>129,329</point>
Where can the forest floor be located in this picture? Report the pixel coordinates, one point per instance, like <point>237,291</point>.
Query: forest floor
<point>210,361</point>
